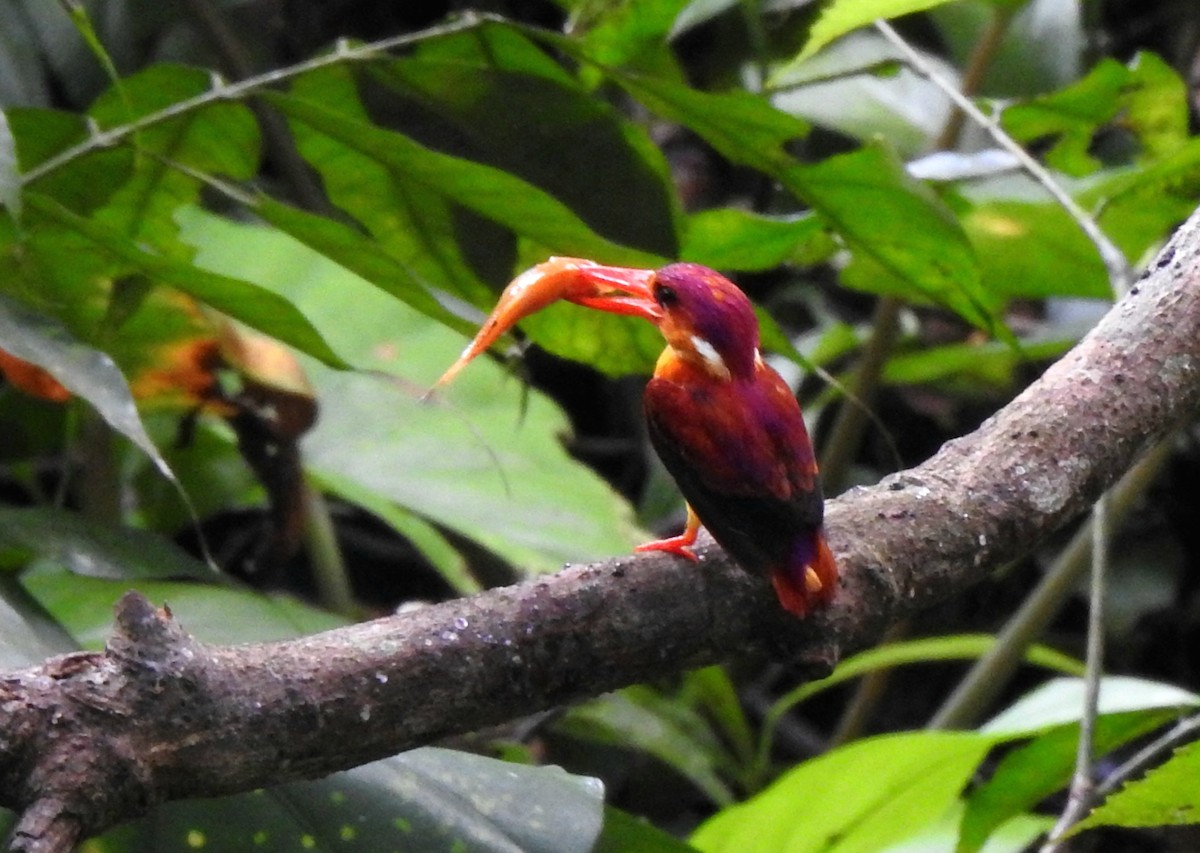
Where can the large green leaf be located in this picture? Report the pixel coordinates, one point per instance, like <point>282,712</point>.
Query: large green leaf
<point>494,96</point>
<point>82,184</point>
<point>424,800</point>
<point>734,239</point>
<point>491,192</point>
<point>1061,701</point>
<point>924,650</point>
<point>407,195</point>
<point>468,460</point>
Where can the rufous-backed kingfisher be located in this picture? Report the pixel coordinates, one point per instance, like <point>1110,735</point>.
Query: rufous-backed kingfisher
<point>723,421</point>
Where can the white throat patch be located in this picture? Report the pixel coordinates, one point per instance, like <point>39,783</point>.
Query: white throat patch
<point>709,355</point>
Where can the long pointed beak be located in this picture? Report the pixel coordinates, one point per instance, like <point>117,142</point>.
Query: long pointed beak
<point>619,290</point>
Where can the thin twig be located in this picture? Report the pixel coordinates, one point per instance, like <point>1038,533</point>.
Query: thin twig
<point>221,90</point>
<point>1119,271</point>
<point>1083,785</point>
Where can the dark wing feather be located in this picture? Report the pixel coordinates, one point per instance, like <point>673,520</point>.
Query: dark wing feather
<point>741,456</point>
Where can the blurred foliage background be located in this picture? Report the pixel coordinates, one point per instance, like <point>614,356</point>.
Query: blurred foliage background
<point>240,238</point>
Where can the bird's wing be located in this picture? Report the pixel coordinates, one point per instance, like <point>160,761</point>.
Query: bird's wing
<point>742,459</point>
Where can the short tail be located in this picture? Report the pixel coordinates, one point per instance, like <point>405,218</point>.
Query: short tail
<point>808,583</point>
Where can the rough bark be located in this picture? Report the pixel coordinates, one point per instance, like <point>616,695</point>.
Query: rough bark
<point>90,739</point>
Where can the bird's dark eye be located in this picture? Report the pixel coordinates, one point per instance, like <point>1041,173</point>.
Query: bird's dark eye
<point>665,296</point>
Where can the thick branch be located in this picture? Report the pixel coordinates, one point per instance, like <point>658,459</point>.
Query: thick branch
<point>89,739</point>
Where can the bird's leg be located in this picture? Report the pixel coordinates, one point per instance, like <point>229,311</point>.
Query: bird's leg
<point>680,544</point>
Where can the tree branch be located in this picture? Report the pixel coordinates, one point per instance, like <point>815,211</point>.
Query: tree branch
<point>90,739</point>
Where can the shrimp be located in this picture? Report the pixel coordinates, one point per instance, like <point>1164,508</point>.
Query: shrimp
<point>576,280</point>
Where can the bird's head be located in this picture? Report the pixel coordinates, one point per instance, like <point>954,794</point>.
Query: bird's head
<point>707,321</point>
<point>705,317</point>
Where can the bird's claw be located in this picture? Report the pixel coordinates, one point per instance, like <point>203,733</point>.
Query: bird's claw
<point>677,545</point>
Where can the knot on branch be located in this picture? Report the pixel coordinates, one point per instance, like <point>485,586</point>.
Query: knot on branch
<point>90,722</point>
<point>148,636</point>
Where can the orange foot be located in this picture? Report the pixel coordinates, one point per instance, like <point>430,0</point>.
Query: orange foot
<point>679,545</point>
<point>675,545</point>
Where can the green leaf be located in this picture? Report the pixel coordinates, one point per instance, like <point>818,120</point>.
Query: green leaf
<point>361,255</point>
<point>925,650</point>
<point>713,690</point>
<point>82,184</point>
<point>1015,835</point>
<point>1156,103</point>
<point>864,195</point>
<point>28,634</point>
<point>467,461</point>
<point>491,192</point>
<point>221,137</point>
<point>90,548</point>
<point>85,372</point>
<point>733,239</point>
<point>1061,701</point>
<point>971,367</point>
<point>1034,250</point>
<point>742,126</point>
<point>1165,796</point>
<point>213,614</point>
<point>1139,206</point>
<point>623,832</point>
<point>635,35</point>
<point>642,718</point>
<point>426,799</point>
<point>268,312</point>
<point>413,224</point>
<point>1034,771</point>
<point>842,16</point>
<point>495,97</point>
<point>864,796</point>
<point>1147,97</point>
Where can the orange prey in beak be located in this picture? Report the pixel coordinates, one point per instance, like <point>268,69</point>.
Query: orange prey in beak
<point>617,290</point>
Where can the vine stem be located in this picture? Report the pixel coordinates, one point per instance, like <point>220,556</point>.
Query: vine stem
<point>1083,786</point>
<point>222,90</point>
<point>1115,263</point>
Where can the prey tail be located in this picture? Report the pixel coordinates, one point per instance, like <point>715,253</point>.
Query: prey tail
<point>810,580</point>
